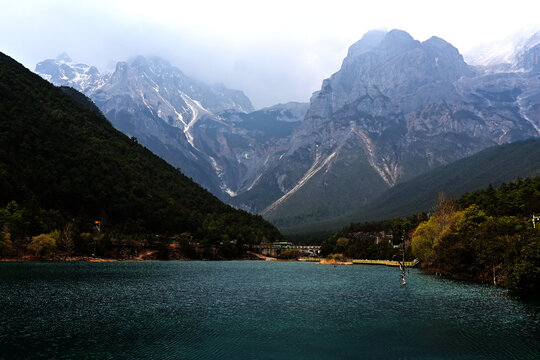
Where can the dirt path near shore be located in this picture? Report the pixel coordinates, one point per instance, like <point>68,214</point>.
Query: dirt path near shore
<point>262,257</point>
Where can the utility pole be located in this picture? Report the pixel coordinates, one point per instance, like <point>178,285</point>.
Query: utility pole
<point>402,266</point>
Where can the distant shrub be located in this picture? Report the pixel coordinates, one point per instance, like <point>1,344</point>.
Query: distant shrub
<point>289,254</point>
<point>337,257</point>
<point>44,244</point>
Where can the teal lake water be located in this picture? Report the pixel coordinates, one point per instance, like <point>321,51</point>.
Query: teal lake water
<point>254,310</point>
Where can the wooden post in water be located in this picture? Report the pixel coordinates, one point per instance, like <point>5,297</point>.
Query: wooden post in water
<point>402,265</point>
<point>97,224</point>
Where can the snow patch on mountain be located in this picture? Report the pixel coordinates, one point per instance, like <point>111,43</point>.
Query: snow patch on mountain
<point>523,112</point>
<point>505,51</point>
<point>318,164</point>
<point>196,110</point>
<point>63,71</point>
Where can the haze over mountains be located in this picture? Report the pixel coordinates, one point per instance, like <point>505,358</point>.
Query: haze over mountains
<point>504,53</point>
<point>396,108</point>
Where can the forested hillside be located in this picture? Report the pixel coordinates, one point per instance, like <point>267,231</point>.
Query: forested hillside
<point>496,165</point>
<point>487,236</point>
<point>62,163</point>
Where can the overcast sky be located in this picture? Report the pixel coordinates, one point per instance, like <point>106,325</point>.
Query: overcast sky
<point>275,51</point>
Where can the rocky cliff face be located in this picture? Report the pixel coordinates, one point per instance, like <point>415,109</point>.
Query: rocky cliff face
<point>396,108</point>
<point>241,145</point>
<point>411,73</point>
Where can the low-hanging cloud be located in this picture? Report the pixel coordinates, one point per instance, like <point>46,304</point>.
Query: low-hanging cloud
<point>274,51</point>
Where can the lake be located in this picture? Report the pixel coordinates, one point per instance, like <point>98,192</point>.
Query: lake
<point>254,310</point>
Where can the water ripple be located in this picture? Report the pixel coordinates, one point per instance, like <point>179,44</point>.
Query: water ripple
<point>254,310</point>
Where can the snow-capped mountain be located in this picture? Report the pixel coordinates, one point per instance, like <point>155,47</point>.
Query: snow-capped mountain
<point>192,125</point>
<point>63,71</point>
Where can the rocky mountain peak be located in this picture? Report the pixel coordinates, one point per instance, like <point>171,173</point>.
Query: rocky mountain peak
<point>370,40</point>
<point>439,43</point>
<point>153,64</point>
<point>63,71</point>
<point>120,72</point>
<point>402,56</point>
<point>398,40</point>
<point>446,59</point>
<point>63,57</point>
<point>396,107</point>
<point>529,56</point>
<point>383,43</point>
<point>394,65</point>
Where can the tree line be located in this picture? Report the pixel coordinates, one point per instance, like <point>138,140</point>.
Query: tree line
<point>45,235</point>
<point>485,236</point>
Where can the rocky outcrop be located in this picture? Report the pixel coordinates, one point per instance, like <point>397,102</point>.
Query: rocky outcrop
<point>62,71</point>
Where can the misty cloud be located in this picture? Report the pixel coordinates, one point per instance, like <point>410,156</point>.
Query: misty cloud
<point>275,52</point>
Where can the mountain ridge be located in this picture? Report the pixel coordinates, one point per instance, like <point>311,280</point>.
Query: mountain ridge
<point>396,108</point>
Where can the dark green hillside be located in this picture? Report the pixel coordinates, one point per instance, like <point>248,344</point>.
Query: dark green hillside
<point>81,99</point>
<point>493,166</point>
<point>57,153</point>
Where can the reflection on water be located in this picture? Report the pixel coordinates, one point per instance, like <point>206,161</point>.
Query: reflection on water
<point>254,310</point>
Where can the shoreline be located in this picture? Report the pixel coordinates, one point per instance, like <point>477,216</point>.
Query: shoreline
<point>250,257</point>
<point>318,261</point>
<point>334,262</point>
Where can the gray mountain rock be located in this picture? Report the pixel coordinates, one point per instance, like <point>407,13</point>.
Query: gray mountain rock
<point>396,108</point>
<point>242,144</point>
<point>62,71</point>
